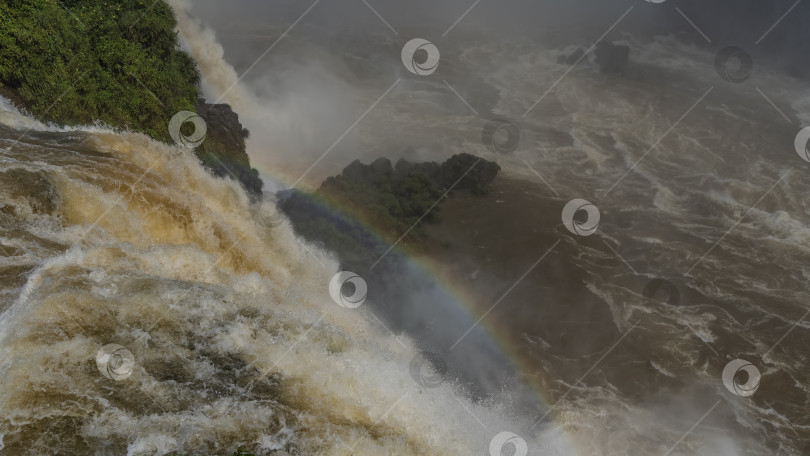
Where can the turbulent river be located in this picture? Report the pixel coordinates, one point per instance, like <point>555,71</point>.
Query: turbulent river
<point>148,307</point>
<point>226,330</point>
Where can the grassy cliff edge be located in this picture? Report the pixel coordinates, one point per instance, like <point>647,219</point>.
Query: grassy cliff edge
<point>78,62</point>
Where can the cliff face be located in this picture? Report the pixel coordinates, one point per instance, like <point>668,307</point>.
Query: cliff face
<point>223,151</point>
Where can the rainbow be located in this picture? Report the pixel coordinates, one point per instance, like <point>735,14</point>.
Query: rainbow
<point>461,297</point>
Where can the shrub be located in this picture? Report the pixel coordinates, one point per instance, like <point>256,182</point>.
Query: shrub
<point>78,61</point>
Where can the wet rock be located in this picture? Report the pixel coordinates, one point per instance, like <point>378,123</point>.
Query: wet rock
<point>223,151</point>
<point>382,166</point>
<point>612,58</point>
<point>468,172</point>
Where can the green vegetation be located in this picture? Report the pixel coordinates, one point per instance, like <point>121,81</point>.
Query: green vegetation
<point>378,196</point>
<point>78,61</point>
<point>394,201</point>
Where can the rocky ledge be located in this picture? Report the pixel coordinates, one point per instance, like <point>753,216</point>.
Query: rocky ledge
<point>223,151</point>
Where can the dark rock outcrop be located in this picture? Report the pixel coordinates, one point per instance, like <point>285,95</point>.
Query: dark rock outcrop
<point>381,166</point>
<point>571,58</point>
<point>431,170</point>
<point>394,200</point>
<point>468,172</point>
<point>378,170</point>
<point>223,151</point>
<point>460,172</point>
<point>612,58</point>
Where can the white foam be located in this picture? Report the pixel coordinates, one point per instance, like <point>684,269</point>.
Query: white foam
<point>183,270</point>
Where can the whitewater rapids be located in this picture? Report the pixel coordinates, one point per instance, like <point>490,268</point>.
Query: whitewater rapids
<point>113,238</point>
